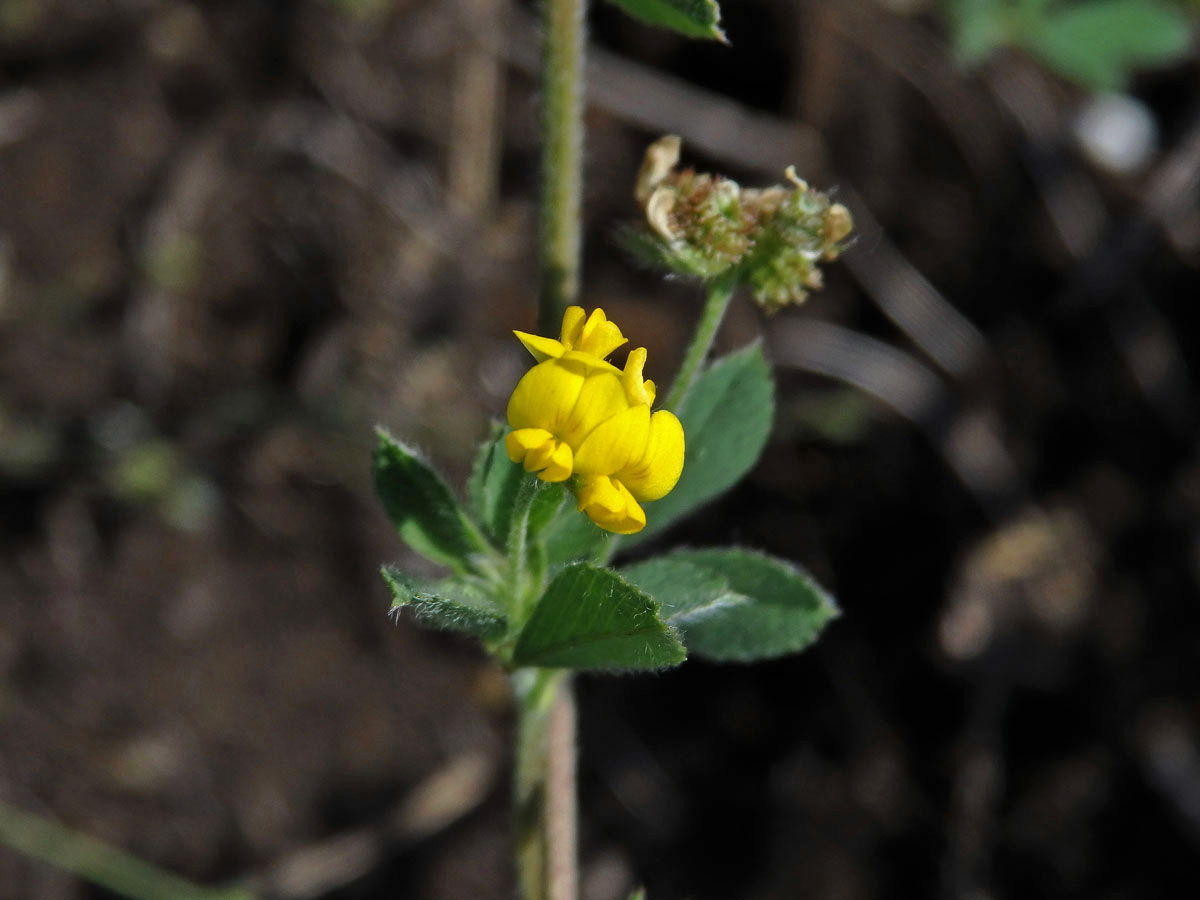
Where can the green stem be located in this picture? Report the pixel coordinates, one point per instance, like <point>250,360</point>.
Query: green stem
<point>103,865</point>
<point>719,292</point>
<point>544,789</point>
<point>562,153</point>
<point>526,567</point>
<point>544,799</point>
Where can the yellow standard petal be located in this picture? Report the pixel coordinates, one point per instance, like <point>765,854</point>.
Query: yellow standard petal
<point>657,470</point>
<point>546,395</point>
<point>609,504</point>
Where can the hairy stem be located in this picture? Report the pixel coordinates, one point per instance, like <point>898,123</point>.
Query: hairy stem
<point>544,801</point>
<point>719,292</point>
<point>562,153</point>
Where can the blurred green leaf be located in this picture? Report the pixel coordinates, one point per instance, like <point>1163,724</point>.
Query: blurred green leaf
<point>692,18</point>
<point>1097,44</point>
<point>726,422</point>
<point>452,604</point>
<point>590,618</point>
<point>736,605</point>
<point>421,506</point>
<point>979,27</point>
<point>146,471</point>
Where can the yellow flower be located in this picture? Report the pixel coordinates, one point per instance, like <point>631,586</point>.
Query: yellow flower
<point>576,416</point>
<point>593,334</point>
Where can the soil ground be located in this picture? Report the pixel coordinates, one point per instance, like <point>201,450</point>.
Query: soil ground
<point>234,236</point>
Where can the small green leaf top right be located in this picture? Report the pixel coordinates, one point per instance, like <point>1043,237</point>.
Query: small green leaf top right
<point>691,18</point>
<point>1097,44</point>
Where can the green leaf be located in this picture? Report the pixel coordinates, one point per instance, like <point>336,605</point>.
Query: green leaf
<point>452,604</point>
<point>691,18</point>
<point>421,506</point>
<point>1097,44</point>
<point>726,422</point>
<point>736,605</point>
<point>590,618</point>
<point>493,486</point>
<point>980,26</point>
<point>572,537</point>
<point>498,489</point>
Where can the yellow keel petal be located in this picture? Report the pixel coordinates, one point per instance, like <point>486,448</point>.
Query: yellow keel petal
<point>609,504</point>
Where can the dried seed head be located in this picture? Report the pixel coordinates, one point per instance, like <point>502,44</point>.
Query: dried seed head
<point>704,225</point>
<point>660,158</point>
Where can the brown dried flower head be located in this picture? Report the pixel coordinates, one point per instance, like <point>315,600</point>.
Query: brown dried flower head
<point>704,225</point>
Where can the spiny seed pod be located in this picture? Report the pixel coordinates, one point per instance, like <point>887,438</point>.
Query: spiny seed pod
<point>704,225</point>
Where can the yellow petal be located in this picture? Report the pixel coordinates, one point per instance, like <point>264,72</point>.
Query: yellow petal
<point>572,325</point>
<point>600,398</point>
<point>656,472</point>
<point>598,336</point>
<point>546,395</point>
<point>616,443</point>
<point>560,464</point>
<point>610,505</point>
<point>589,362</point>
<point>631,378</point>
<point>537,457</point>
<point>542,348</point>
<point>517,444</point>
<point>540,451</point>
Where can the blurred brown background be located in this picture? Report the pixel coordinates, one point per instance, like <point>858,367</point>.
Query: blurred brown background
<point>235,235</point>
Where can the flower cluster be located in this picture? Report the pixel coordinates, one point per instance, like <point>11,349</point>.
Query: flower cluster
<point>580,419</point>
<point>704,225</point>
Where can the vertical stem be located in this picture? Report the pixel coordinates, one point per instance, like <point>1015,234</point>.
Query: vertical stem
<point>545,766</point>
<point>719,292</point>
<point>562,152</point>
<point>544,802</point>
<point>561,805</point>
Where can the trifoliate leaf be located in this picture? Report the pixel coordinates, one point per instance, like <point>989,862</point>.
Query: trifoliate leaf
<point>421,506</point>
<point>736,605</point>
<point>691,18</point>
<point>590,618</point>
<point>452,604</point>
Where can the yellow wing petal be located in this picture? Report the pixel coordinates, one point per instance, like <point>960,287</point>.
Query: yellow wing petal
<point>616,443</point>
<point>600,398</point>
<point>657,470</point>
